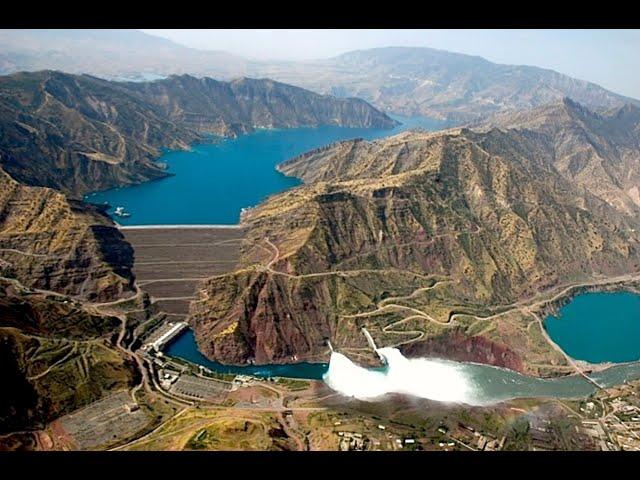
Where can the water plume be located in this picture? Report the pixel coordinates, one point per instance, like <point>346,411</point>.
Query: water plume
<point>425,378</point>
<point>456,382</point>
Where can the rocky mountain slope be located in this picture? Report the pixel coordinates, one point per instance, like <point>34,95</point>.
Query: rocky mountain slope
<point>80,133</point>
<point>52,243</point>
<point>416,236</point>
<point>241,105</point>
<point>57,258</point>
<point>596,151</point>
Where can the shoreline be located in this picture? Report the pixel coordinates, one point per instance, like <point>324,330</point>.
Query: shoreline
<point>173,227</point>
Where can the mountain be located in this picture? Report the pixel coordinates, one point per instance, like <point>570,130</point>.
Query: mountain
<point>596,151</point>
<point>78,133</point>
<point>57,258</point>
<point>418,237</point>
<point>440,84</point>
<point>239,106</point>
<point>406,80</point>
<point>52,243</point>
<point>110,54</point>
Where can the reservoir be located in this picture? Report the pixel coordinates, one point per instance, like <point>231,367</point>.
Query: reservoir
<point>598,327</point>
<point>213,182</point>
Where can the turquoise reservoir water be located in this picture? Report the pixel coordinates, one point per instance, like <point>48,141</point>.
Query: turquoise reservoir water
<point>213,182</point>
<point>490,384</point>
<point>599,327</point>
<point>185,347</point>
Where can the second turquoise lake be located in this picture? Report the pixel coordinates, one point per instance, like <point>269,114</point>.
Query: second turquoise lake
<point>598,327</point>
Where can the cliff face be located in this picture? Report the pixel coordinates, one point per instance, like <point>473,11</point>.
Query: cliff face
<point>78,133</point>
<point>457,345</point>
<point>51,243</point>
<point>402,235</point>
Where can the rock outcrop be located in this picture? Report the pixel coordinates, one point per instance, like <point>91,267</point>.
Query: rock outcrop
<point>52,243</point>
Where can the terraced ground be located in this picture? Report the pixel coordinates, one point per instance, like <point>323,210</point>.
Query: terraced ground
<point>170,262</point>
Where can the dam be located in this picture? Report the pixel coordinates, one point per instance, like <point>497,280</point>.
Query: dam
<point>170,261</point>
<point>163,335</point>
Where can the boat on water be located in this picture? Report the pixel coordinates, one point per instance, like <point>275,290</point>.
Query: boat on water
<point>121,213</point>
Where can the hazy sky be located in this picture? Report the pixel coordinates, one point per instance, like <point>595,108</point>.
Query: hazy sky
<point>608,57</point>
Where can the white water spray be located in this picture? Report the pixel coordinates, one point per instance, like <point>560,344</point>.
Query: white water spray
<point>425,378</point>
<point>372,344</point>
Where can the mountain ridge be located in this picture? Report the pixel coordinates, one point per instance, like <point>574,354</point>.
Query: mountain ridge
<point>80,133</point>
<point>413,81</point>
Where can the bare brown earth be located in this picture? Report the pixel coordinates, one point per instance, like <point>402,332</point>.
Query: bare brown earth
<point>170,263</point>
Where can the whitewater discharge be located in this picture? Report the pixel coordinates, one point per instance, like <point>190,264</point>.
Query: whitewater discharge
<point>421,377</point>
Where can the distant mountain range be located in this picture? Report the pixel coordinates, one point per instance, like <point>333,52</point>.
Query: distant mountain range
<point>109,53</point>
<point>409,81</point>
<point>78,133</point>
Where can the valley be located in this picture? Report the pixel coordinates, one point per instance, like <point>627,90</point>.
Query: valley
<point>423,251</point>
